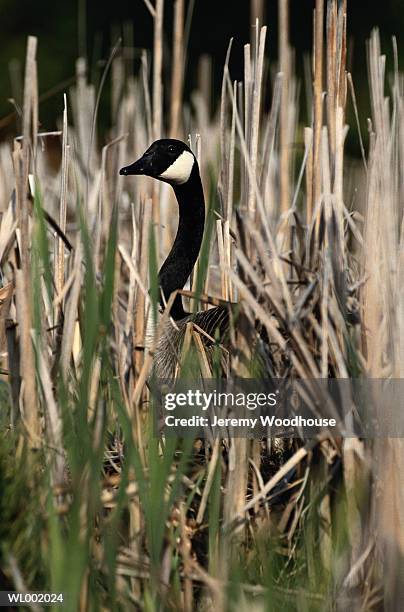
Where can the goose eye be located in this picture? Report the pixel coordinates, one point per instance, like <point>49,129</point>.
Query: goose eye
<point>171,149</point>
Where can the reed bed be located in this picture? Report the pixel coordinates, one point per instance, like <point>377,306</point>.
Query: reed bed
<point>95,506</point>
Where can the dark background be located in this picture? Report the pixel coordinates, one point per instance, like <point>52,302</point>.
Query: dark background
<point>67,29</point>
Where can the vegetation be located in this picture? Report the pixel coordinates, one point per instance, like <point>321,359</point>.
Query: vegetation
<point>309,244</point>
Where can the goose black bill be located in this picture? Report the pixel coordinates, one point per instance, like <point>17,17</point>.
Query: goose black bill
<point>138,167</point>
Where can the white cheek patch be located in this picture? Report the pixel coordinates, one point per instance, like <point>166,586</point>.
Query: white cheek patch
<point>180,170</point>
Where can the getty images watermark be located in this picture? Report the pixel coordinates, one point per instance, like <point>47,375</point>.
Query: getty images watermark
<point>200,400</point>
<point>279,407</point>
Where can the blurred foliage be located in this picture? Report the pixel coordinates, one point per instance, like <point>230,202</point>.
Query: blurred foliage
<point>68,29</point>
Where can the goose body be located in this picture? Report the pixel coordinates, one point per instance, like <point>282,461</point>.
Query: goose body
<point>172,161</point>
<point>213,323</point>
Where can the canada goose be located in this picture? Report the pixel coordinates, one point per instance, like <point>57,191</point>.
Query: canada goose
<point>172,161</point>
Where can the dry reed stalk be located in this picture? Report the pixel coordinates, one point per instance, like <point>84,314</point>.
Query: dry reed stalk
<point>318,101</point>
<point>224,179</point>
<point>331,53</point>
<point>222,262</point>
<point>22,162</point>
<point>30,419</point>
<point>237,471</point>
<point>341,132</point>
<point>355,106</point>
<point>136,289</point>
<point>232,145</point>
<point>268,148</point>
<point>380,235</point>
<point>325,323</point>
<point>203,360</point>
<point>389,462</point>
<point>60,263</point>
<point>157,100</point>
<point>342,52</point>
<point>106,197</point>
<point>135,285</point>
<point>336,101</point>
<point>186,346</point>
<point>209,480</point>
<point>70,317</point>
<point>255,105</point>
<point>129,260</point>
<point>238,467</point>
<point>141,360</point>
<point>285,69</point>
<point>157,68</point>
<point>228,257</point>
<point>248,77</point>
<point>355,479</point>
<point>177,72</point>
<point>382,300</point>
<point>308,143</point>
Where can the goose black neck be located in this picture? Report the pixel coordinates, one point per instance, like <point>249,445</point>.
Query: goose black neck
<point>178,266</point>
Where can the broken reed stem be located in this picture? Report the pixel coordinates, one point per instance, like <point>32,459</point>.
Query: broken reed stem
<point>177,73</point>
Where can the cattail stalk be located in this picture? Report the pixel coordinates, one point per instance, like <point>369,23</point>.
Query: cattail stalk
<point>177,72</point>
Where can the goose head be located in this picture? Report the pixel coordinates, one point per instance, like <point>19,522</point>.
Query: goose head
<point>168,160</point>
